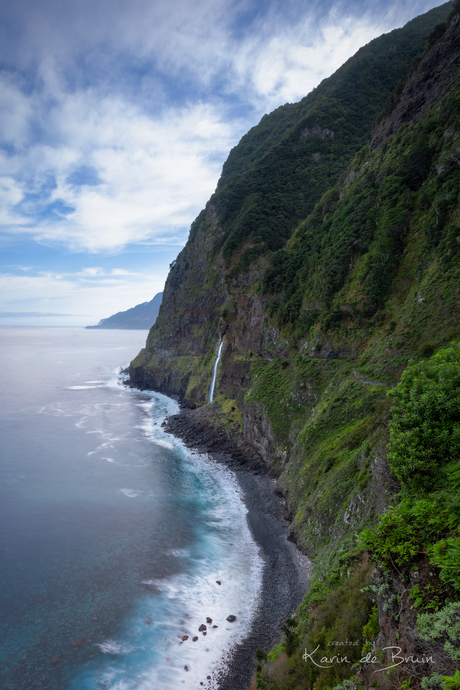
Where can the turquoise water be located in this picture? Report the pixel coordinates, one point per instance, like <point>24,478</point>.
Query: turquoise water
<point>113,535</point>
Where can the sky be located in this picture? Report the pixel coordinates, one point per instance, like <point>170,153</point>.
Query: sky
<point>116,117</point>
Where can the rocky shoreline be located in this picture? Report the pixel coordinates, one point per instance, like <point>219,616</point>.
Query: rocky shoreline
<point>286,571</point>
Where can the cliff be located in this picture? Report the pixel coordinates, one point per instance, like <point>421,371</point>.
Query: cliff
<point>327,259</point>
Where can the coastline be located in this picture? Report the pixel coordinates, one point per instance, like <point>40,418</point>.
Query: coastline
<point>286,572</point>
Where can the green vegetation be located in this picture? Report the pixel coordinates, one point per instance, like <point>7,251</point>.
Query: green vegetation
<point>425,522</point>
<point>406,531</point>
<point>342,264</point>
<point>329,262</point>
<point>424,449</point>
<point>281,168</point>
<point>424,455</point>
<point>335,627</point>
<point>443,625</point>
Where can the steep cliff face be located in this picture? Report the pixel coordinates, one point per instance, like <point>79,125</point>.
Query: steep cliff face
<point>270,182</point>
<point>433,79</point>
<point>293,352</point>
<point>318,324</point>
<point>179,352</point>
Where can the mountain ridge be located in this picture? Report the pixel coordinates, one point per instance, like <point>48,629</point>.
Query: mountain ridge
<point>315,334</point>
<point>140,317</point>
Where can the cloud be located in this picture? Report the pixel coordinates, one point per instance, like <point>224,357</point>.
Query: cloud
<point>29,314</point>
<point>153,175</point>
<point>83,297</point>
<point>11,195</point>
<point>92,272</point>
<point>116,118</point>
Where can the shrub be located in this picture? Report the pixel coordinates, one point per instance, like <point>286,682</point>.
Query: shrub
<point>425,429</point>
<point>443,625</point>
<point>446,555</point>
<point>403,532</point>
<point>426,349</point>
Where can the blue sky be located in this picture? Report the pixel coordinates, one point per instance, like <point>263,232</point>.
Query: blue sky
<point>115,119</point>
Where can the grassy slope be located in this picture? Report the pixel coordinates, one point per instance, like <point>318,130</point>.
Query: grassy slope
<point>269,183</point>
<point>281,168</point>
<point>375,269</point>
<point>367,281</point>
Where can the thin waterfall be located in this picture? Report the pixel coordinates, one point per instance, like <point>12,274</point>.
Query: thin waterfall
<point>214,373</point>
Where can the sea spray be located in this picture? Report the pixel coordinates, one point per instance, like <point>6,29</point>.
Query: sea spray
<point>214,373</point>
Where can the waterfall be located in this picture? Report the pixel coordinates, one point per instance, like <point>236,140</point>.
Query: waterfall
<point>214,373</point>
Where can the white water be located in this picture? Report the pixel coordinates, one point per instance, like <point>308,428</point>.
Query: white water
<point>112,530</point>
<point>214,373</point>
<point>149,651</point>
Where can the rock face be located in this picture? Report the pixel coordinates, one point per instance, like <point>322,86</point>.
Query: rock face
<point>317,328</point>
<point>270,182</point>
<point>286,355</point>
<point>398,629</point>
<point>178,358</point>
<point>297,359</point>
<point>426,86</point>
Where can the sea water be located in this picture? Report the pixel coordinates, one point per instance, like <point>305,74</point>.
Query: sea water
<point>113,535</point>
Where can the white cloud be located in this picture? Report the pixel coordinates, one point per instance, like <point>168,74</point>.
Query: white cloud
<point>142,93</point>
<point>155,174</point>
<point>85,297</point>
<point>156,168</point>
<point>16,109</point>
<point>11,194</point>
<point>91,272</point>
<point>283,62</point>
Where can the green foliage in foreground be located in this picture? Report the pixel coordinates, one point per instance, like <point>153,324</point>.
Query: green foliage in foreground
<point>424,449</point>
<point>438,682</point>
<point>452,682</point>
<point>424,454</point>
<point>405,532</point>
<point>442,626</point>
<point>446,555</point>
<point>336,625</point>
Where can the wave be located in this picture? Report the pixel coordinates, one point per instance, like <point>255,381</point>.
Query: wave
<point>178,553</point>
<point>79,388</point>
<point>113,647</point>
<point>130,493</point>
<point>221,575</point>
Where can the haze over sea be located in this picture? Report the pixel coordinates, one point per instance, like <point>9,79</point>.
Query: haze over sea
<point>113,535</point>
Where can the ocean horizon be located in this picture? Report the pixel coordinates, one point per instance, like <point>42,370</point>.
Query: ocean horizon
<point>117,542</point>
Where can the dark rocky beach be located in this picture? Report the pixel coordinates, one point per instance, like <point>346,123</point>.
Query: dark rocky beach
<point>286,571</point>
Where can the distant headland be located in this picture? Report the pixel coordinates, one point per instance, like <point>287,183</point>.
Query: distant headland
<point>142,316</point>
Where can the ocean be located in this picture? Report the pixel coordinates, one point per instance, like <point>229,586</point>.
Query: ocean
<point>117,543</point>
